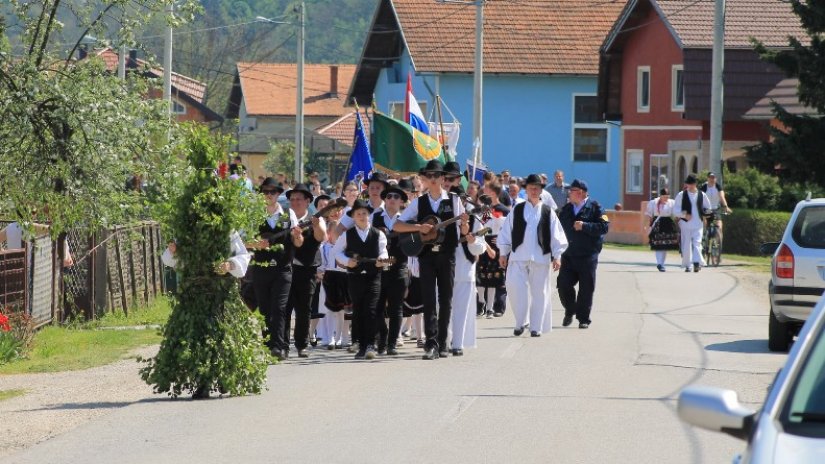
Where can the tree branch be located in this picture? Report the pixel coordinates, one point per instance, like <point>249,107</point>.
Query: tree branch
<point>88,28</point>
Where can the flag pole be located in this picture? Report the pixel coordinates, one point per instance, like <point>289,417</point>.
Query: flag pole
<point>475,157</point>
<point>443,139</point>
<point>354,141</point>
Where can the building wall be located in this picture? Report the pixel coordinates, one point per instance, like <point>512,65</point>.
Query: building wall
<point>528,122</point>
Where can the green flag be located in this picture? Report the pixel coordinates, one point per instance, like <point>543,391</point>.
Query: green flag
<point>398,147</point>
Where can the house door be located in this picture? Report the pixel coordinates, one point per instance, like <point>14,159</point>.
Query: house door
<point>659,174</point>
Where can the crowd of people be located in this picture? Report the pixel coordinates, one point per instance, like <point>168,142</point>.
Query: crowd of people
<point>376,264</point>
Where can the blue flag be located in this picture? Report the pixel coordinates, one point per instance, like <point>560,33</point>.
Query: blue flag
<point>360,160</point>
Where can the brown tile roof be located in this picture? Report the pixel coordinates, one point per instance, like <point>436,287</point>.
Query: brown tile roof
<point>192,87</point>
<point>269,88</point>
<point>770,21</point>
<point>343,129</point>
<point>520,36</point>
<point>786,94</point>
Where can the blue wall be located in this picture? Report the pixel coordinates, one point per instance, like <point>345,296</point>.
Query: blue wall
<point>528,122</point>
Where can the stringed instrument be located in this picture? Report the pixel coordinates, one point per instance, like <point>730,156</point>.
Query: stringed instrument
<point>337,204</point>
<point>479,233</point>
<point>381,261</point>
<point>413,243</point>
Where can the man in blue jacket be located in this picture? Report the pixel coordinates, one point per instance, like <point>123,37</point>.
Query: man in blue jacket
<point>585,224</point>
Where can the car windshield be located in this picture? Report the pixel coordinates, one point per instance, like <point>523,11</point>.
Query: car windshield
<point>809,229</point>
<point>804,411</point>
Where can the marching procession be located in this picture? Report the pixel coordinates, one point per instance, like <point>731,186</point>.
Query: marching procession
<point>417,258</point>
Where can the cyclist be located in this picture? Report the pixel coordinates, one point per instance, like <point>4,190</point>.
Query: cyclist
<point>716,195</point>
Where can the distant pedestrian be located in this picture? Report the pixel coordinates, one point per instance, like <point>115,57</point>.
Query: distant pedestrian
<point>689,206</point>
<point>585,224</point>
<point>558,189</point>
<point>663,233</point>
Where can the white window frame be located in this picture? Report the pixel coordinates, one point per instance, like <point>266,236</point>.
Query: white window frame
<point>177,103</point>
<point>639,72</point>
<point>674,90</point>
<point>576,125</point>
<point>634,157</point>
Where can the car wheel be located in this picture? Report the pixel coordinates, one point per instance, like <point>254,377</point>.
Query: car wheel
<point>779,334</point>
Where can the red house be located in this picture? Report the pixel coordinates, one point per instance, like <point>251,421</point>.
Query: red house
<point>655,80</point>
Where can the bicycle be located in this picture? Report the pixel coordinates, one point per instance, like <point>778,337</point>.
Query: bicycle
<point>711,240</point>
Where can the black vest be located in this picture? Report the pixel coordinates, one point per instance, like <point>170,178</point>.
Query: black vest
<point>283,258</point>
<point>519,226</point>
<point>309,253</point>
<point>392,242</point>
<point>368,249</point>
<point>686,202</point>
<point>445,212</point>
<point>470,257</point>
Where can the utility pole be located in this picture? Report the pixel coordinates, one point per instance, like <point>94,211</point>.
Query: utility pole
<point>717,89</point>
<point>478,77</point>
<point>299,104</point>
<point>167,60</point>
<point>121,63</point>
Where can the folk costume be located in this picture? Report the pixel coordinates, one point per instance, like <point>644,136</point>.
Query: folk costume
<point>463,321</point>
<point>335,298</point>
<point>664,235</point>
<point>490,276</point>
<point>695,204</point>
<point>393,281</point>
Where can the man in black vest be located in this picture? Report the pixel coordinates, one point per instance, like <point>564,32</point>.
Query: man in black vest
<point>393,280</point>
<point>437,262</point>
<point>689,206</point>
<point>304,266</point>
<point>272,265</point>
<point>531,242</point>
<point>363,277</point>
<point>585,224</point>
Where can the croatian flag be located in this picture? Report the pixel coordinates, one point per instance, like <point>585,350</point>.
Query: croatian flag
<point>412,112</point>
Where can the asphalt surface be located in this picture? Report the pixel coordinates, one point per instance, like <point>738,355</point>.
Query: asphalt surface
<point>602,395</point>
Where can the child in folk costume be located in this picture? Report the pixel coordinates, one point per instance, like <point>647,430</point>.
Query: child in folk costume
<point>361,249</point>
<point>489,274</point>
<point>413,304</point>
<point>335,293</point>
<point>462,320</point>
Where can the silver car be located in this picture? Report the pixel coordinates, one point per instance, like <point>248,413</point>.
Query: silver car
<point>797,272</point>
<point>790,427</point>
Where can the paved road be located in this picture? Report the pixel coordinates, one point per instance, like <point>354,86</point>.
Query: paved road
<point>602,395</point>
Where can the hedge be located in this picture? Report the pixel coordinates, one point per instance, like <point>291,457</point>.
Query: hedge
<point>747,229</point>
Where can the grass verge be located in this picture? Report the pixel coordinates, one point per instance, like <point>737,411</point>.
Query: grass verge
<point>84,345</point>
<point>9,394</point>
<point>754,263</point>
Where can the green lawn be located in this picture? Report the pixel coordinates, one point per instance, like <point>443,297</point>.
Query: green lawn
<point>85,345</point>
<point>755,263</point>
<point>8,394</point>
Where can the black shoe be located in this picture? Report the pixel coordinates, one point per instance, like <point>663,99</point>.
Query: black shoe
<point>687,269</point>
<point>313,341</point>
<point>535,334</point>
<point>280,355</point>
<point>361,354</point>
<point>443,353</point>
<point>330,347</point>
<point>696,267</point>
<point>498,314</point>
<point>370,354</point>
<point>303,353</point>
<point>660,268</point>
<point>567,321</point>
<point>584,325</point>
<point>392,351</point>
<point>382,349</point>
<point>430,354</point>
<point>458,352</point>
<point>518,332</point>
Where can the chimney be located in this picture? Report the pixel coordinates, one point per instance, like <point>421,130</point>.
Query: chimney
<point>333,81</point>
<point>131,62</point>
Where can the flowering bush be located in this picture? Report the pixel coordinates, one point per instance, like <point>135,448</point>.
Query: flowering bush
<point>16,334</point>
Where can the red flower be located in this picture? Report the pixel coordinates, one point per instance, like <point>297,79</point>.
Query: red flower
<point>4,323</point>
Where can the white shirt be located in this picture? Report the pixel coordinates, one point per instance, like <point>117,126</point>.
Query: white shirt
<point>515,201</point>
<point>548,200</point>
<point>339,251</point>
<point>654,209</point>
<point>411,212</point>
<point>530,250</point>
<point>275,217</point>
<point>465,271</point>
<point>347,222</point>
<point>713,196</point>
<point>328,260</point>
<point>239,259</point>
<point>389,221</point>
<point>695,215</point>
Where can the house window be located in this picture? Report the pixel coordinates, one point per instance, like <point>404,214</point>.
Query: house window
<point>178,108</point>
<point>589,133</point>
<point>633,182</point>
<point>643,89</point>
<point>677,89</point>
<point>397,109</point>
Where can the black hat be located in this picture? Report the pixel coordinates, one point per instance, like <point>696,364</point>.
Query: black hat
<point>406,185</point>
<point>710,174</point>
<point>432,166</point>
<point>358,204</point>
<point>394,189</point>
<point>378,177</point>
<point>319,198</point>
<point>536,179</point>
<point>458,190</point>
<point>270,182</point>
<point>452,169</point>
<point>579,184</point>
<point>300,188</point>
<point>691,179</point>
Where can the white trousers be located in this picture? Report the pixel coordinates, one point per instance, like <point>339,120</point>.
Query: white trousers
<point>660,257</point>
<point>529,291</point>
<point>463,317</point>
<point>326,326</point>
<point>691,245</point>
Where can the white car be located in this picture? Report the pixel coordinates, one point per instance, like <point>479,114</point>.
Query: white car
<point>790,427</point>
<point>797,272</point>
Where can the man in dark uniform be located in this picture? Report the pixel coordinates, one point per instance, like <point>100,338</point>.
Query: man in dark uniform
<point>304,266</point>
<point>437,262</point>
<point>394,279</point>
<point>585,224</point>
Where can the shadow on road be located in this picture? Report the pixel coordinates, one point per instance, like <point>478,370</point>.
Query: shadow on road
<point>102,404</point>
<point>742,346</point>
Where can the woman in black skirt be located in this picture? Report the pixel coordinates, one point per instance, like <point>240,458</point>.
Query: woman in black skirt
<point>663,232</point>
<point>336,292</point>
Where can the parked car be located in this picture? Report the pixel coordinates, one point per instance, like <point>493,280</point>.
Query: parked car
<point>790,427</point>
<point>797,272</point>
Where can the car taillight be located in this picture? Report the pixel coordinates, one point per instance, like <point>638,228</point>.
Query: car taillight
<point>784,263</point>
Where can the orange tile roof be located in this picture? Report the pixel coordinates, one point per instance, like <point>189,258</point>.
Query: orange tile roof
<point>343,129</point>
<point>523,36</point>
<point>269,89</point>
<point>770,21</point>
<point>192,87</point>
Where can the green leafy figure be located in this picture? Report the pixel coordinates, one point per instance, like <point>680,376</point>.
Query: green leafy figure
<point>212,343</point>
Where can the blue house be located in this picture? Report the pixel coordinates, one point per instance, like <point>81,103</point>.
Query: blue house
<point>541,62</point>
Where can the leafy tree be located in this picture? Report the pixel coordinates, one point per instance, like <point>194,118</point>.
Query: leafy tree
<point>798,150</point>
<point>211,341</point>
